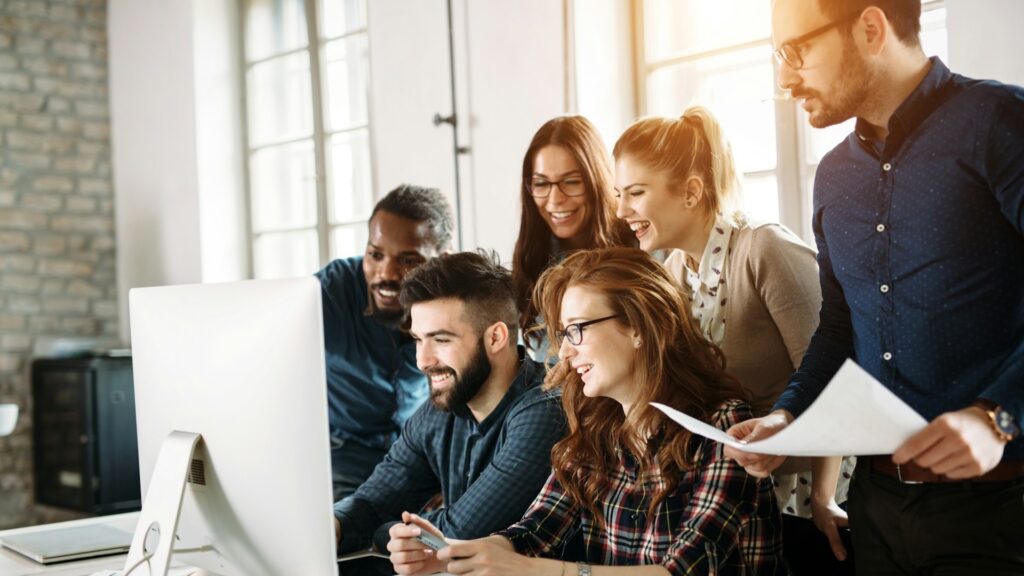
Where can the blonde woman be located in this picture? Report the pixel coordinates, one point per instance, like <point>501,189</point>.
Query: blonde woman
<point>753,290</point>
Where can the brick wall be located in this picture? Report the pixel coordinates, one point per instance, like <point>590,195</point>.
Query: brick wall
<point>57,269</point>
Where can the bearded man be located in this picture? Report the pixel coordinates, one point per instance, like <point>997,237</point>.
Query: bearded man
<point>484,440</point>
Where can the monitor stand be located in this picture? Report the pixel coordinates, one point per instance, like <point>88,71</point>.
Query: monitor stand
<point>162,506</point>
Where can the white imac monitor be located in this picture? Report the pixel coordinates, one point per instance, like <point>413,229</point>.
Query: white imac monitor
<point>242,365</point>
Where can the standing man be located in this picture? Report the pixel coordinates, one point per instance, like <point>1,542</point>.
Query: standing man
<point>918,217</point>
<point>373,385</point>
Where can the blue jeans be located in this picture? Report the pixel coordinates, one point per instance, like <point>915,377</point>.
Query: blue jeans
<point>351,464</point>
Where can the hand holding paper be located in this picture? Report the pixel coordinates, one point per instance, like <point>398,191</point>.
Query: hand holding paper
<point>854,415</point>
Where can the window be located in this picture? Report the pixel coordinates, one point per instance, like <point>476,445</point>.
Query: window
<point>719,54</point>
<point>310,185</point>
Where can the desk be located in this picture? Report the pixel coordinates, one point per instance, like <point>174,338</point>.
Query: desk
<point>13,564</point>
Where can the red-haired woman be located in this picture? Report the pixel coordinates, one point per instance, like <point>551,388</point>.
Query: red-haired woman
<point>629,487</point>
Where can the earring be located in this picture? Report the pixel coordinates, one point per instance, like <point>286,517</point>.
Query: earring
<point>636,343</point>
<point>690,203</point>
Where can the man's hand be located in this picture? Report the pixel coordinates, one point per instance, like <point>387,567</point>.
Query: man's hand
<point>959,445</point>
<point>408,556</point>
<point>758,465</point>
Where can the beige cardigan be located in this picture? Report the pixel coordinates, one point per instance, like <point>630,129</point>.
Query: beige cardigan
<point>771,281</point>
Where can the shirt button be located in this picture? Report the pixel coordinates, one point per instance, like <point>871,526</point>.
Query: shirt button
<point>886,166</point>
<point>880,227</point>
<point>884,288</point>
<point>887,356</point>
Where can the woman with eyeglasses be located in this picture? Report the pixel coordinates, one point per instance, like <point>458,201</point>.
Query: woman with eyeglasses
<point>631,492</point>
<point>754,292</point>
<point>566,196</point>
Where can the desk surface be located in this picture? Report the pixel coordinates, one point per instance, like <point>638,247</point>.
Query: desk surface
<point>13,564</point>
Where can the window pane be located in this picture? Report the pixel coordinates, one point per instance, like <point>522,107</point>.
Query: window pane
<point>737,87</point>
<point>346,63</point>
<point>761,198</point>
<point>348,180</point>
<point>673,27</point>
<point>280,104</point>
<point>933,34</point>
<point>348,240</point>
<point>821,140</point>
<point>283,187</point>
<point>286,254</point>
<point>338,17</point>
<point>273,27</point>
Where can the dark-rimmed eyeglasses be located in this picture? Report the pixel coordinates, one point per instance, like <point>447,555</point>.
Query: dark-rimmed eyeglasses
<point>570,186</point>
<point>789,52</point>
<point>574,332</point>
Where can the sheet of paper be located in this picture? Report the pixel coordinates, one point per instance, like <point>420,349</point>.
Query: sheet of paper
<point>854,416</point>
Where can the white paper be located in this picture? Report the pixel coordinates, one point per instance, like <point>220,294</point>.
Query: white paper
<point>854,416</point>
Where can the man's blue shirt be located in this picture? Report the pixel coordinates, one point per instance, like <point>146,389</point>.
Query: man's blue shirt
<point>373,385</point>
<point>921,252</point>
<point>487,472</point>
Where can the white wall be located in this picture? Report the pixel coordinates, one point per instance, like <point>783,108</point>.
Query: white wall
<point>153,145</point>
<point>603,49</point>
<point>176,143</point>
<point>985,40</point>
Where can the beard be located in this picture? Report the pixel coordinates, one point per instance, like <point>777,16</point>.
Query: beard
<point>463,387</point>
<point>850,91</point>
<point>391,318</point>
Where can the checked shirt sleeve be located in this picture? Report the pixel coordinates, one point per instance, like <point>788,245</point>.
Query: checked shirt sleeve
<point>723,501</point>
<point>551,519</point>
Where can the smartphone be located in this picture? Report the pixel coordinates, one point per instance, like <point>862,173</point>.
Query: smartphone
<point>430,541</point>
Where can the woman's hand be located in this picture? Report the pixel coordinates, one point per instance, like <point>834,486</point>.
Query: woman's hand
<point>494,556</point>
<point>408,556</point>
<point>829,518</point>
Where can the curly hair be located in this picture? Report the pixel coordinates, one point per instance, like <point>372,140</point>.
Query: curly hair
<point>675,366</point>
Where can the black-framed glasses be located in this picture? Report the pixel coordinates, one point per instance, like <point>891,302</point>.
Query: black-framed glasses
<point>789,52</point>
<point>574,332</point>
<point>570,186</point>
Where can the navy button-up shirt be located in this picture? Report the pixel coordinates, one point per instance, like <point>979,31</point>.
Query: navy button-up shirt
<point>373,385</point>
<point>921,252</point>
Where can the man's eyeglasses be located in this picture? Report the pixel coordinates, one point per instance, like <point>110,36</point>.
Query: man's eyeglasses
<point>571,186</point>
<point>789,52</point>
<point>574,332</point>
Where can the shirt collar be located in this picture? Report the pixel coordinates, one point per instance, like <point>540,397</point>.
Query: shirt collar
<point>523,380</point>
<point>921,102</point>
<point>712,263</point>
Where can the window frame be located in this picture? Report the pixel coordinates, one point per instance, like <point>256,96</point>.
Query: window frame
<point>315,49</point>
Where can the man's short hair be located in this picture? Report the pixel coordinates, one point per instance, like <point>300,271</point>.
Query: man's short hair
<point>904,15</point>
<point>477,279</point>
<point>421,205</point>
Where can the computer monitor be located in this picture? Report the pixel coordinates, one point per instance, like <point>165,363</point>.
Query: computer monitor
<point>241,364</point>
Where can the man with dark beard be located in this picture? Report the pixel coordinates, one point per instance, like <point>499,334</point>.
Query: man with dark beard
<point>918,217</point>
<point>484,440</point>
<point>373,385</point>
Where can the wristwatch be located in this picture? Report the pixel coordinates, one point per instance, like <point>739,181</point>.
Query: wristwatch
<point>582,569</point>
<point>1002,421</point>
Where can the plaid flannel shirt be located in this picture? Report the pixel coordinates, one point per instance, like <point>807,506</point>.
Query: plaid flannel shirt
<point>718,521</point>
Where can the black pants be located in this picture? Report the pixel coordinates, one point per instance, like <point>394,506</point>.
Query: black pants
<point>954,529</point>
<point>808,552</point>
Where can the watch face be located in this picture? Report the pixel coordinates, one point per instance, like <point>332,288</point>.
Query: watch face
<point>1004,420</point>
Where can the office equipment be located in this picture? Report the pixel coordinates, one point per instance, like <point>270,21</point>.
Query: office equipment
<point>84,452</point>
<point>431,541</point>
<point>8,418</point>
<point>233,374</point>
<point>63,544</point>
